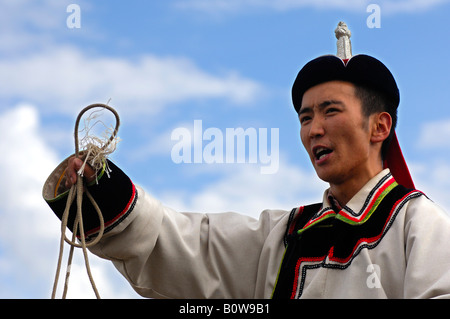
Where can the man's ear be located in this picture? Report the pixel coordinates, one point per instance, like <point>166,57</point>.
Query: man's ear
<point>381,127</point>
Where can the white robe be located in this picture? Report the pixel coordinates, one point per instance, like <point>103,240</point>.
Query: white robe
<point>167,254</point>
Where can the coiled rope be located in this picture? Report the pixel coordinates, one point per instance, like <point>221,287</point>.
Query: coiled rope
<point>95,154</point>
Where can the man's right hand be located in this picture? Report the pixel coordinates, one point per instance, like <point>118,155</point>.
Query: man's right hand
<point>73,166</point>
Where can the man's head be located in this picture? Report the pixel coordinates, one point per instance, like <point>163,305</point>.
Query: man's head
<point>369,76</point>
<point>343,128</point>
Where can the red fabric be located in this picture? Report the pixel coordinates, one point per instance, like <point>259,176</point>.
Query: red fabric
<point>396,163</point>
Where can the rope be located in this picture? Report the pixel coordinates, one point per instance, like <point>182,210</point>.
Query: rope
<point>76,191</point>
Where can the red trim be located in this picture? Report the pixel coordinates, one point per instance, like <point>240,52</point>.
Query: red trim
<point>297,268</point>
<point>294,221</point>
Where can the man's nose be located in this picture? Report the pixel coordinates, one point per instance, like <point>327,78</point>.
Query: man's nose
<point>316,128</point>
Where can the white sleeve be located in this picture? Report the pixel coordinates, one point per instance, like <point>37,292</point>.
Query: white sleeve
<point>427,251</point>
<point>166,254</point>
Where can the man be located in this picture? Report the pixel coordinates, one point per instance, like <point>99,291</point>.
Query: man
<point>373,235</point>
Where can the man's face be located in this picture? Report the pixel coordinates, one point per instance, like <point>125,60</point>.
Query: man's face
<point>335,133</point>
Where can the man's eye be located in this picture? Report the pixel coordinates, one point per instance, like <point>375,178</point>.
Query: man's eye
<point>304,119</point>
<point>331,110</point>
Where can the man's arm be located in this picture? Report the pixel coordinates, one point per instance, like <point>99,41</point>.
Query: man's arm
<point>164,253</point>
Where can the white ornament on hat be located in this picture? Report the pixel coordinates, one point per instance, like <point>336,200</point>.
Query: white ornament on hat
<point>344,46</point>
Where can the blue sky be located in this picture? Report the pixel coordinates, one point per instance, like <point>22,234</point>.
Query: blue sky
<point>164,65</point>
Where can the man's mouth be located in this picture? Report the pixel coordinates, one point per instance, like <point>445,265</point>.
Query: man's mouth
<point>320,152</point>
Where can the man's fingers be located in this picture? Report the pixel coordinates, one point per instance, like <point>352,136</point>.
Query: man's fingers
<point>71,175</point>
<point>73,166</point>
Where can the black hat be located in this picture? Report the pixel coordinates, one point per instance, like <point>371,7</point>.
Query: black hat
<point>361,70</point>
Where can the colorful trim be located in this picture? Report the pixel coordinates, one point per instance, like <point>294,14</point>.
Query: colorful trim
<point>368,211</point>
<point>325,242</point>
<point>331,260</point>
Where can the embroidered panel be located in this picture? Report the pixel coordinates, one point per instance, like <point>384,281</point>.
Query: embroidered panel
<point>319,237</point>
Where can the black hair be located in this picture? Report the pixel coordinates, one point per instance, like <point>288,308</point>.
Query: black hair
<point>373,101</point>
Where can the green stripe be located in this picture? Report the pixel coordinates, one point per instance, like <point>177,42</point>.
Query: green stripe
<point>332,215</point>
<point>374,207</point>
<point>278,274</point>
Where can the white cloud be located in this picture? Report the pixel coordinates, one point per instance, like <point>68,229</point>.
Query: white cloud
<point>26,224</point>
<point>233,6</point>
<point>33,25</point>
<point>432,178</point>
<point>435,134</point>
<point>38,14</point>
<point>282,5</point>
<point>29,231</point>
<point>410,6</point>
<point>431,173</point>
<point>65,77</point>
<point>38,66</point>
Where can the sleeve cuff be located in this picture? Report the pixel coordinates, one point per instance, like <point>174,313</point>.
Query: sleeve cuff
<point>114,193</point>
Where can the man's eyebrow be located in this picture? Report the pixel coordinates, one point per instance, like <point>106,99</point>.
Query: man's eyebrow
<point>306,109</point>
<point>326,103</point>
<point>321,106</point>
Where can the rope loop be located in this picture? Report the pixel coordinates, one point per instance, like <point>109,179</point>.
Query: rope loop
<point>76,192</point>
